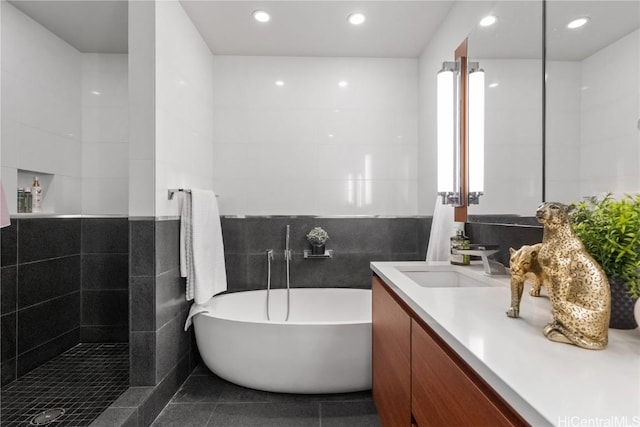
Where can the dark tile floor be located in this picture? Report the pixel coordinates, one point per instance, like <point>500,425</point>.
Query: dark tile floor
<point>83,381</point>
<point>207,400</point>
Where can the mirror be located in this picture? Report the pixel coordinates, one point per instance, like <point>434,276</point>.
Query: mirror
<point>592,111</point>
<point>510,53</point>
<point>593,76</point>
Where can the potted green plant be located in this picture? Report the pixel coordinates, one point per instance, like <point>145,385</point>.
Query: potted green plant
<point>610,231</point>
<point>317,237</point>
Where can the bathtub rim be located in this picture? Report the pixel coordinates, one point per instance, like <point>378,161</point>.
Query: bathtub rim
<point>282,322</point>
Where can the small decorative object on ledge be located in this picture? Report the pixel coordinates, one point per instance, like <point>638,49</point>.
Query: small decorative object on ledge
<point>317,237</point>
<point>577,286</point>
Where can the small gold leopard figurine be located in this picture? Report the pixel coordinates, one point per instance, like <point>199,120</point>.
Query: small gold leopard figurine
<point>524,266</point>
<point>577,286</point>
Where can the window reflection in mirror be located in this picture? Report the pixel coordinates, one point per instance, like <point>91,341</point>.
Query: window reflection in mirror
<point>510,52</point>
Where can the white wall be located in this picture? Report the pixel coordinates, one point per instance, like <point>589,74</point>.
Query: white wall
<point>41,115</point>
<point>311,146</point>
<point>184,106</point>
<point>462,18</point>
<point>105,134</point>
<point>610,143</point>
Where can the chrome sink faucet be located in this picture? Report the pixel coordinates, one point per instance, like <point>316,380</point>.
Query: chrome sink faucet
<point>491,267</point>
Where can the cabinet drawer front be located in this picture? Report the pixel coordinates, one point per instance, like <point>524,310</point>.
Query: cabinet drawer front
<point>391,358</point>
<point>442,393</point>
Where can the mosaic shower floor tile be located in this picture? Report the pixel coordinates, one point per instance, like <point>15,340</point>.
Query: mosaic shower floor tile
<point>83,381</point>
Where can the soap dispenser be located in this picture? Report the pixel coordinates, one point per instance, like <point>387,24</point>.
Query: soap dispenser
<point>459,241</point>
<point>36,193</point>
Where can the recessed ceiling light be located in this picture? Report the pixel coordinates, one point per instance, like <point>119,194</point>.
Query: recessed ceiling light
<point>279,83</point>
<point>577,23</point>
<point>343,83</point>
<point>492,85</point>
<point>356,18</point>
<point>261,16</point>
<point>96,92</point>
<point>488,20</point>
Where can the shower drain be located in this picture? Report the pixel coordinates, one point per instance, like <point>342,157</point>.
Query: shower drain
<point>46,417</point>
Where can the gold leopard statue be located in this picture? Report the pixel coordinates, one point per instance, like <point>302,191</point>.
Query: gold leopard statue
<point>524,266</point>
<point>578,288</point>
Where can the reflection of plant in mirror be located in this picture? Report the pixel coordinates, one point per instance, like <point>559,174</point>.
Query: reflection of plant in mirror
<point>610,231</point>
<point>317,236</point>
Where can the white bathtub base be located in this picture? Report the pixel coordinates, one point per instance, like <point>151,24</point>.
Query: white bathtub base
<point>310,356</point>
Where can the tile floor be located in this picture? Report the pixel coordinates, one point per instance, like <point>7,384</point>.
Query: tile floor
<point>83,381</point>
<point>207,400</point>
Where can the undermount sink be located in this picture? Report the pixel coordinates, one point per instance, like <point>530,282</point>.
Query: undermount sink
<point>443,279</point>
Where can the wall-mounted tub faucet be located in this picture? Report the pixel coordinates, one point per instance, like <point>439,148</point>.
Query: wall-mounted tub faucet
<point>269,259</point>
<point>287,249</point>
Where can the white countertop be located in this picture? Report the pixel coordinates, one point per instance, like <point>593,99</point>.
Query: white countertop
<point>546,382</point>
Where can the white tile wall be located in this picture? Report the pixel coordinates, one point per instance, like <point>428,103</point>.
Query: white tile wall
<point>298,148</point>
<point>41,115</point>
<point>105,134</point>
<point>141,39</point>
<point>183,107</point>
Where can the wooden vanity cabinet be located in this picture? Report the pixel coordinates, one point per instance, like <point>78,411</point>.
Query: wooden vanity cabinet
<point>418,380</point>
<point>442,394</point>
<point>391,358</point>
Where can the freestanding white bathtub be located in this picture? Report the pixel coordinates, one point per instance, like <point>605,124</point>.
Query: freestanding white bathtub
<point>324,347</point>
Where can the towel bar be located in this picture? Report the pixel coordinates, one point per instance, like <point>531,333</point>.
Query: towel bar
<point>173,191</point>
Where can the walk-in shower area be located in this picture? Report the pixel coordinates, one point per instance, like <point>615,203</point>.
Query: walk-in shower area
<point>64,318</point>
<point>72,389</point>
<point>64,292</point>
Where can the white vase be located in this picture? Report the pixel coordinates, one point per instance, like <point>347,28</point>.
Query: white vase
<point>636,311</point>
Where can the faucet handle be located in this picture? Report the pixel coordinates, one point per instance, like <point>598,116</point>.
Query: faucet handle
<point>491,267</point>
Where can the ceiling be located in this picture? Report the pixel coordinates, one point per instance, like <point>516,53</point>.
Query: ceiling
<point>320,28</point>
<point>96,26</point>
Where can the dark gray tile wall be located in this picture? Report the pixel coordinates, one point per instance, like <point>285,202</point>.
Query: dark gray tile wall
<point>63,280</point>
<point>504,219</point>
<point>505,235</point>
<point>40,295</point>
<point>173,344</point>
<point>355,241</point>
<point>142,307</point>
<point>161,352</point>
<point>105,280</point>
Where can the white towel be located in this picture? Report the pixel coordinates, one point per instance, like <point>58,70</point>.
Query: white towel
<point>195,309</point>
<point>201,247</point>
<point>439,248</point>
<point>186,243</point>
